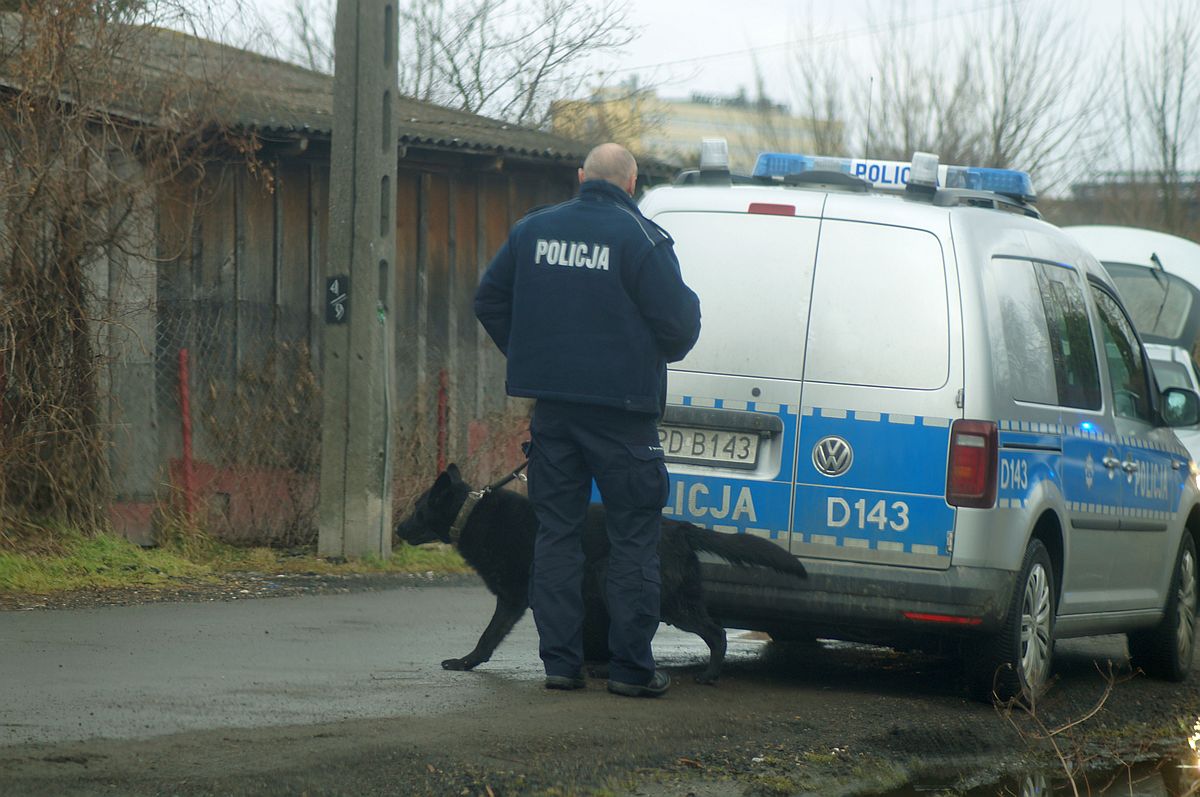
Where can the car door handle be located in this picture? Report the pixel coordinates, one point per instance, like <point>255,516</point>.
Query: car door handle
<point>1176,465</point>
<point>1111,462</point>
<point>1129,466</point>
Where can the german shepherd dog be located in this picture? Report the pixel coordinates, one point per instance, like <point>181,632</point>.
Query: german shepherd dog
<point>497,541</point>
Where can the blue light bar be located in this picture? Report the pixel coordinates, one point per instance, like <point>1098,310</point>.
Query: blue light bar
<point>782,164</point>
<point>1009,182</point>
<point>894,174</point>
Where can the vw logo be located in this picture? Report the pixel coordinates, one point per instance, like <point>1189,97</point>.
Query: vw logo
<point>832,456</point>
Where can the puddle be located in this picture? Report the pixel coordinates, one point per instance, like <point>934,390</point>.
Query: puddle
<point>1175,776</point>
<point>1171,777</point>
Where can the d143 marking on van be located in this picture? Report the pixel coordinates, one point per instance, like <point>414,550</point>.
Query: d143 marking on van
<point>839,513</point>
<point>1014,474</point>
<point>1021,471</point>
<point>892,499</point>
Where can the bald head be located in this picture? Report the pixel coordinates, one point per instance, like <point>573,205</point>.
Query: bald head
<point>613,163</point>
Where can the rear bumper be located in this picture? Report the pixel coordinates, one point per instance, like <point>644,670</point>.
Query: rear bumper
<point>863,602</point>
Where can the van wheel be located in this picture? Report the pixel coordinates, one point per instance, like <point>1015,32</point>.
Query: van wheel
<point>1015,663</point>
<point>1166,650</point>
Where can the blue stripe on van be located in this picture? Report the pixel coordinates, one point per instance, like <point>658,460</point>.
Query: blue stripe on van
<point>892,497</point>
<point>892,456</point>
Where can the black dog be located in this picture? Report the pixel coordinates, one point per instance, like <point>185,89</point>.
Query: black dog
<point>497,540</point>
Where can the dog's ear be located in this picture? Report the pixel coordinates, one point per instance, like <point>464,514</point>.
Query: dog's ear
<point>441,486</point>
<point>452,472</point>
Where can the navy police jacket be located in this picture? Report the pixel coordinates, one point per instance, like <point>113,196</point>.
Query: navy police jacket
<point>587,302</point>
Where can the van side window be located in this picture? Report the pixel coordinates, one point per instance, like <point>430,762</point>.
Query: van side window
<point>1071,342</point>
<point>1031,372</point>
<point>1126,368</point>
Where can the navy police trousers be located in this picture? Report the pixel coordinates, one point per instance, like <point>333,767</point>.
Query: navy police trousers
<point>572,445</point>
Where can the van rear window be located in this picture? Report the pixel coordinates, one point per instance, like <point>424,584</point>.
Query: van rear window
<point>753,274</point>
<point>880,312</point>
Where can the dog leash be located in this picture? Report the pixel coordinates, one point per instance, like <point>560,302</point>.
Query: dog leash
<point>475,496</point>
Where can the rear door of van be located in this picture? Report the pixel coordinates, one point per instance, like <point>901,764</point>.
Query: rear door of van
<point>882,380</point>
<point>730,427</point>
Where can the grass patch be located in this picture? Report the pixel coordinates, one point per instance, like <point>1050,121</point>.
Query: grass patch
<point>78,561</point>
<point>100,561</point>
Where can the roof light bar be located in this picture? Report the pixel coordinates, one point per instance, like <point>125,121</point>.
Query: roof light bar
<point>782,164</point>
<point>923,176</point>
<point>714,154</point>
<point>923,171</point>
<point>1009,182</point>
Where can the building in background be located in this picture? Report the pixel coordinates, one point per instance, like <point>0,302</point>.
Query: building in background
<point>671,129</point>
<point>1144,199</point>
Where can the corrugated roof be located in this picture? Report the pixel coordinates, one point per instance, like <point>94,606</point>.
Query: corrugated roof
<point>242,88</point>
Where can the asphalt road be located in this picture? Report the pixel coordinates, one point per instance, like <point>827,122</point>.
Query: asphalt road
<point>343,694</point>
<point>135,671</point>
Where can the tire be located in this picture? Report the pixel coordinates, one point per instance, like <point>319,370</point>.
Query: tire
<point>1015,662</point>
<point>1166,651</point>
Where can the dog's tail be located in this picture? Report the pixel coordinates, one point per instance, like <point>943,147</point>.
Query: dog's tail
<point>745,550</point>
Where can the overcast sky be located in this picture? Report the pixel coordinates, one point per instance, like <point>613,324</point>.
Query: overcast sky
<point>715,46</point>
<point>712,46</point>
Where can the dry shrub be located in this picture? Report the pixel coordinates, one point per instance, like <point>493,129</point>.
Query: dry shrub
<point>86,142</point>
<point>261,485</point>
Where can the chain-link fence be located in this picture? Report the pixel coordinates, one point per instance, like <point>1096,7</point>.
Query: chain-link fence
<point>240,420</point>
<point>239,423</point>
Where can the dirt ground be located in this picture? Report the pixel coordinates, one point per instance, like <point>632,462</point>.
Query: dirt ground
<point>826,719</point>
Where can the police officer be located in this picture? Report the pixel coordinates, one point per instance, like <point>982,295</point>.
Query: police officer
<point>587,302</point>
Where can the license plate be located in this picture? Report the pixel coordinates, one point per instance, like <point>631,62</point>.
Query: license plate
<point>709,446</point>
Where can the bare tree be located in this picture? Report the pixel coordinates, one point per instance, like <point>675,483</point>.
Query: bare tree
<point>1160,102</point>
<point>1008,88</point>
<point>311,23</point>
<point>1038,99</point>
<point>502,58</point>
<point>818,85</point>
<point>86,143</point>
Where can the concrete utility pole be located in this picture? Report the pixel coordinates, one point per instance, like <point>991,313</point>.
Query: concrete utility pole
<point>356,474</point>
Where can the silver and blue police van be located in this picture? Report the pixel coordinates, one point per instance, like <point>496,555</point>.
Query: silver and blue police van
<point>938,401</point>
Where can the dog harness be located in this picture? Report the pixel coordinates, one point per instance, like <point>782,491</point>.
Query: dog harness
<point>475,496</point>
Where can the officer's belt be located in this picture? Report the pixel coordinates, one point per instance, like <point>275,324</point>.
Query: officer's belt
<point>475,496</point>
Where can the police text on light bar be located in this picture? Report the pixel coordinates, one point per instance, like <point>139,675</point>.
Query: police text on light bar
<point>894,174</point>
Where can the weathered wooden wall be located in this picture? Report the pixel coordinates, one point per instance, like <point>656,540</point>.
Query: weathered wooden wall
<point>240,278</point>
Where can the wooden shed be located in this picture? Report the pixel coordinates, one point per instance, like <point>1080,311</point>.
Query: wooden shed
<point>236,289</point>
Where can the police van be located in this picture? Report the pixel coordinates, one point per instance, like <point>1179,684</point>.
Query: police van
<point>938,401</point>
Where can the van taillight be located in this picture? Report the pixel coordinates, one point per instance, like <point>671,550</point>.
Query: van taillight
<point>971,473</point>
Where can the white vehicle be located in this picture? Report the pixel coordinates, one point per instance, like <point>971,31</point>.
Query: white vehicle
<point>1140,247</point>
<point>1173,367</point>
<point>1158,276</point>
<point>936,400</point>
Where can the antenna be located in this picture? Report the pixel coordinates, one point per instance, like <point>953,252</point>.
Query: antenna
<point>870,99</point>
